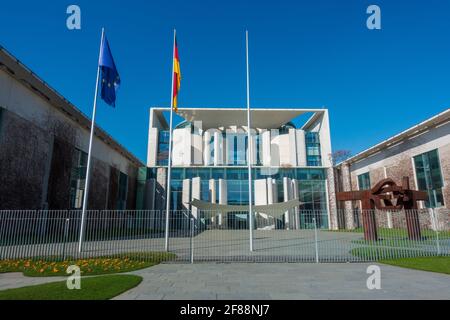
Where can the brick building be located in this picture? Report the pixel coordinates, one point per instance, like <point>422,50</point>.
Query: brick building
<point>421,153</point>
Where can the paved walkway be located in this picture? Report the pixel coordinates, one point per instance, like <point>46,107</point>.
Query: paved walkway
<point>248,281</point>
<point>284,281</point>
<point>18,280</point>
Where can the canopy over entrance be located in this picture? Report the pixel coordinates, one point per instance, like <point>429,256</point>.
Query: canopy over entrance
<point>275,210</point>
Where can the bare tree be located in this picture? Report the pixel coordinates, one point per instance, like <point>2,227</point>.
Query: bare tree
<point>340,155</point>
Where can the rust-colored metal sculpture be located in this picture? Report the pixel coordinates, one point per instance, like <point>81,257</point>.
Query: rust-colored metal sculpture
<point>381,197</point>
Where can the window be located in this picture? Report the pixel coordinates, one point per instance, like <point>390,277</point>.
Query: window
<point>123,192</point>
<point>77,179</point>
<point>162,157</point>
<point>364,181</point>
<point>429,177</point>
<point>313,153</point>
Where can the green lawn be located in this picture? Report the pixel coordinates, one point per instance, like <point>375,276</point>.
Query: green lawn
<point>92,266</point>
<point>385,233</point>
<point>381,253</point>
<point>95,288</point>
<point>433,264</point>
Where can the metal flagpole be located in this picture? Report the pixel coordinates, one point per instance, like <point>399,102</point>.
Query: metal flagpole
<point>249,150</point>
<point>88,169</point>
<point>169,168</point>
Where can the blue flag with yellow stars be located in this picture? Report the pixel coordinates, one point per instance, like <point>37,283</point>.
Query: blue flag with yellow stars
<point>110,79</point>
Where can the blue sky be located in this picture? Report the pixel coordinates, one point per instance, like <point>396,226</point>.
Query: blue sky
<point>302,53</point>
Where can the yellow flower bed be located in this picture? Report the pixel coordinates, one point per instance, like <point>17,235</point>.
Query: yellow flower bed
<point>87,266</point>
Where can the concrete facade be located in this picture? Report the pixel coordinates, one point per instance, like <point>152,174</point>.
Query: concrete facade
<point>41,135</point>
<point>394,158</point>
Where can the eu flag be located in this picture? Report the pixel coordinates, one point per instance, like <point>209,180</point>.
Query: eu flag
<point>110,79</point>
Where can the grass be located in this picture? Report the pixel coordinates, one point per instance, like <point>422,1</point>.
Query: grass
<point>90,266</point>
<point>413,259</point>
<point>95,288</point>
<point>380,253</point>
<point>399,233</point>
<point>433,264</point>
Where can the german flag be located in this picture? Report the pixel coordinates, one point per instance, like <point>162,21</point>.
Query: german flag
<point>176,77</point>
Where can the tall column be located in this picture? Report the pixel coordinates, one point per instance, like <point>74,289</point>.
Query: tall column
<point>196,185</point>
<point>332,204</point>
<point>274,148</point>
<point>197,144</point>
<point>186,194</point>
<point>348,208</point>
<point>295,195</point>
<point>152,150</point>
<point>218,149</point>
<point>286,193</point>
<point>265,137</point>
<point>301,148</point>
<point>223,199</point>
<point>207,149</point>
<point>213,198</point>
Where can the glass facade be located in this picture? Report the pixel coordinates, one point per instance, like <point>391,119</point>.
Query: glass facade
<point>364,181</point>
<point>429,177</point>
<point>313,153</point>
<point>311,186</point>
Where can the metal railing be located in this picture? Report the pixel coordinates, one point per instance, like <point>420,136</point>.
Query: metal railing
<point>200,236</point>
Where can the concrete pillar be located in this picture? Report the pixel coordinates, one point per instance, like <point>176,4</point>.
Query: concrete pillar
<point>292,148</point>
<point>270,192</point>
<point>197,144</point>
<point>274,148</point>
<point>295,195</point>
<point>186,194</point>
<point>253,146</point>
<point>152,149</point>
<point>213,197</point>
<point>195,191</point>
<point>265,139</point>
<point>260,192</point>
<point>287,194</point>
<point>181,153</point>
<point>223,199</point>
<point>301,148</point>
<point>208,160</point>
<point>218,149</point>
<point>348,208</point>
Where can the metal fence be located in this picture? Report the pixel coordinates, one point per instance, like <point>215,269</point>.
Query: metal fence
<point>199,236</point>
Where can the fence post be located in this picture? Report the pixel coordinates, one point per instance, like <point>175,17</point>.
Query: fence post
<point>66,233</point>
<point>192,241</point>
<point>315,240</point>
<point>436,230</point>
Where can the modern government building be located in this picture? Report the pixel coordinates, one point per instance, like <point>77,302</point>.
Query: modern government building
<point>210,155</point>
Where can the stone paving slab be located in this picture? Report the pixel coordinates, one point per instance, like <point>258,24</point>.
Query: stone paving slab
<point>283,281</point>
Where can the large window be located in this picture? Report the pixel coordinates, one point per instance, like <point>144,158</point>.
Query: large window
<point>364,181</point>
<point>163,148</point>
<point>313,153</point>
<point>429,177</point>
<point>77,179</point>
<point>237,148</point>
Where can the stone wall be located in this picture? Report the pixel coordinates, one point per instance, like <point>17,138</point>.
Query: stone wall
<point>23,158</point>
<point>36,168</point>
